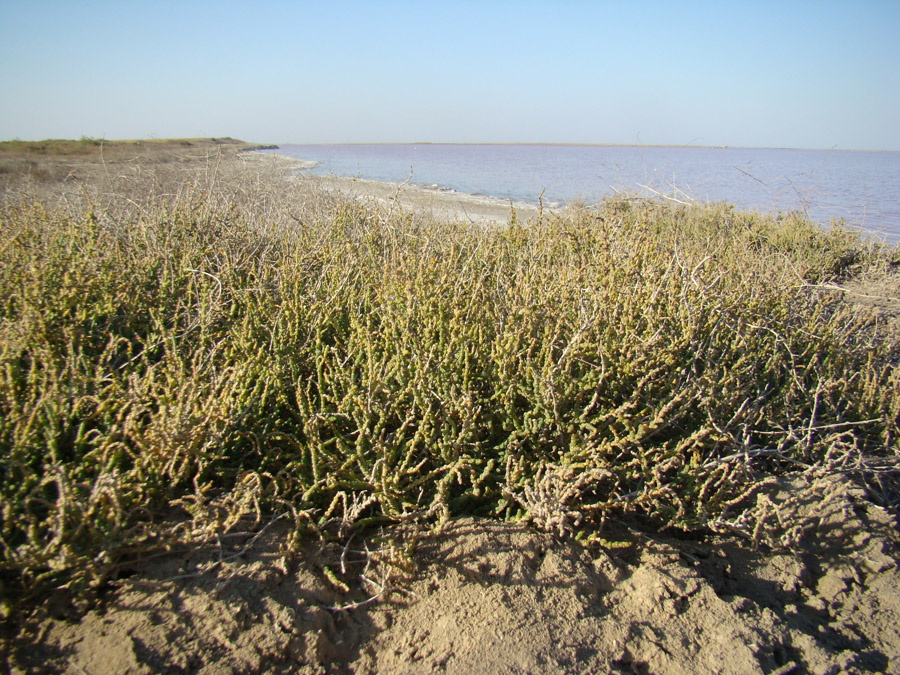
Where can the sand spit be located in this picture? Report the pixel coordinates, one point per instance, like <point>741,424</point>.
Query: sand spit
<point>434,201</point>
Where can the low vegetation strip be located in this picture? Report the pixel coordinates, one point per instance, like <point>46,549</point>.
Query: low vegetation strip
<point>173,367</point>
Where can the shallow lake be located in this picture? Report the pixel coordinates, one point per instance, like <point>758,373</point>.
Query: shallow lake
<point>862,188</point>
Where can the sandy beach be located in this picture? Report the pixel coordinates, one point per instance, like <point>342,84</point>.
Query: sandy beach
<point>433,201</point>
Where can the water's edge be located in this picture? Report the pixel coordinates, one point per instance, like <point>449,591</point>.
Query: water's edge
<point>856,187</point>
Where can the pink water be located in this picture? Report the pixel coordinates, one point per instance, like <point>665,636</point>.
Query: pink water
<point>862,188</point>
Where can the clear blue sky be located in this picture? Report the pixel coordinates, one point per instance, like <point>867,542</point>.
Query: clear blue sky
<point>811,74</point>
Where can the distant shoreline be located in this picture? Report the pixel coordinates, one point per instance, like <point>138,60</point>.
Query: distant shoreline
<point>825,185</point>
<point>593,145</point>
<point>436,201</point>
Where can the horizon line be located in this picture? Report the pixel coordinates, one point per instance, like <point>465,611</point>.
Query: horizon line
<point>468,143</point>
<point>598,145</point>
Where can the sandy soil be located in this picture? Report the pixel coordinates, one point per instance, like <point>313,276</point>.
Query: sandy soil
<point>481,596</point>
<point>489,597</point>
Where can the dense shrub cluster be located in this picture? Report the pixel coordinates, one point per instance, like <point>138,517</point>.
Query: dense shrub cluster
<point>168,372</point>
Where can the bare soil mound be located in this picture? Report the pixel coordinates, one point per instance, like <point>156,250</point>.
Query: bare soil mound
<point>492,597</point>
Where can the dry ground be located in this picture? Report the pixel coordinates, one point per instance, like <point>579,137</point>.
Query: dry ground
<point>490,597</point>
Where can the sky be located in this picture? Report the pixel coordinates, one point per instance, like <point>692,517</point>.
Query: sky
<point>817,74</point>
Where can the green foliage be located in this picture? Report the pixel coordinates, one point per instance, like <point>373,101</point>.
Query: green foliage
<point>638,358</point>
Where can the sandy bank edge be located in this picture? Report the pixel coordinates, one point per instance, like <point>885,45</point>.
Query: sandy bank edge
<point>439,203</point>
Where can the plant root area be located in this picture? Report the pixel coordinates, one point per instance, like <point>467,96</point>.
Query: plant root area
<point>492,597</point>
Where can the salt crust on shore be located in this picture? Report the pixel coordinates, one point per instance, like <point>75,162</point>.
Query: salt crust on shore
<point>439,203</point>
